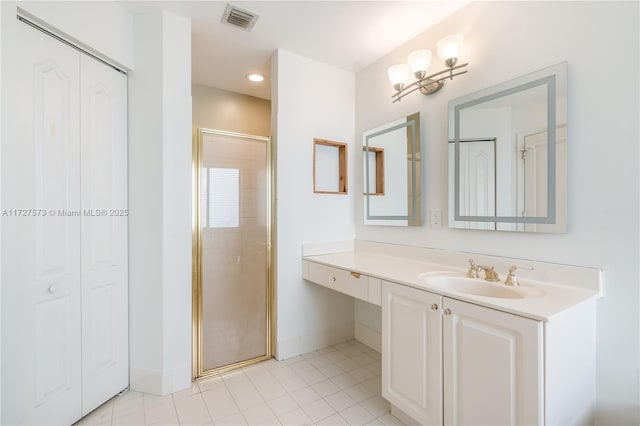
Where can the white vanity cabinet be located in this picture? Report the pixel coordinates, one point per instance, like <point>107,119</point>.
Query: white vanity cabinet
<point>452,357</point>
<point>474,365</point>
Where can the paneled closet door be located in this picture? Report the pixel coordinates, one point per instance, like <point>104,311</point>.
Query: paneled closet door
<point>105,369</point>
<point>41,352</point>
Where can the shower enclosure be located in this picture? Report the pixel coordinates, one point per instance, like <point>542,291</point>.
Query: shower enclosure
<point>232,285</point>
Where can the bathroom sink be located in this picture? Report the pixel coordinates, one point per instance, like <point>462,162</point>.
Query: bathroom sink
<point>476,287</point>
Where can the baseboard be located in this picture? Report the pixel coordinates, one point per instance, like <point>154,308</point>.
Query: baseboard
<point>369,337</point>
<point>310,342</point>
<point>160,382</point>
<point>402,416</point>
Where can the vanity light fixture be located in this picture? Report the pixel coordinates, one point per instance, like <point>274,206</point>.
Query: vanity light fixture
<point>419,62</point>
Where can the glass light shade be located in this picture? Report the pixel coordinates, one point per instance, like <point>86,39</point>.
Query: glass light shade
<point>450,47</point>
<point>420,60</point>
<point>399,74</point>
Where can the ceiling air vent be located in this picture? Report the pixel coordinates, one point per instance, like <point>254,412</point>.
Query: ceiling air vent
<point>239,17</point>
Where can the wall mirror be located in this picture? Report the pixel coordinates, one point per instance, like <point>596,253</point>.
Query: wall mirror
<point>508,155</point>
<point>392,178</point>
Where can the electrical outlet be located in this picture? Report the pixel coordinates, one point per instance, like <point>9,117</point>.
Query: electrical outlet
<point>436,218</point>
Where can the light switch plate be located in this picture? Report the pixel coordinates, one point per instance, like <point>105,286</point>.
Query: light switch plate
<point>436,218</point>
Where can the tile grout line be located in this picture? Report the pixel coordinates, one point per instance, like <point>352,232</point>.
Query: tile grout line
<point>232,396</point>
<point>206,406</point>
<point>175,408</point>
<point>358,371</point>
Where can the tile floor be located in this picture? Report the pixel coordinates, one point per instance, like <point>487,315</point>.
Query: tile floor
<point>338,385</point>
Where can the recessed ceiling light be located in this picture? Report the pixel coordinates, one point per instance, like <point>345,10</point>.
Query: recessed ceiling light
<point>255,77</point>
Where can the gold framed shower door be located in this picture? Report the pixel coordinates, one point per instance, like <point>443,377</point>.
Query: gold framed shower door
<point>199,370</point>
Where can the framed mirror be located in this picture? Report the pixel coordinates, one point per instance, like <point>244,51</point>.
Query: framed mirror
<point>392,173</point>
<point>508,155</point>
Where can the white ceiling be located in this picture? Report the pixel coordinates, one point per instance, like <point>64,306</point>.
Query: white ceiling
<point>346,34</point>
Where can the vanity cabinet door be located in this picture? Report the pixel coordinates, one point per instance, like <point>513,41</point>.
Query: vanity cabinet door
<point>493,367</point>
<point>412,352</point>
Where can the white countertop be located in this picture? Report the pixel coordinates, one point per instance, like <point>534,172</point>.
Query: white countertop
<point>542,300</point>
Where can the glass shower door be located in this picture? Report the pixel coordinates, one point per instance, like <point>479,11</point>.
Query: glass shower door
<point>233,312</point>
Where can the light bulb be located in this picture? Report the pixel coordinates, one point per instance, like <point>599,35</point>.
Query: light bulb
<point>255,77</point>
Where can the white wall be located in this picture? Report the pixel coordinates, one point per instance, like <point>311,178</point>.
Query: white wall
<point>177,199</point>
<point>3,42</point>
<point>311,100</point>
<point>504,40</point>
<point>160,204</point>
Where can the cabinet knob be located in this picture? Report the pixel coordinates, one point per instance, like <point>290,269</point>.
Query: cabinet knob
<point>447,311</point>
<point>52,288</point>
<point>433,307</point>
<point>333,279</point>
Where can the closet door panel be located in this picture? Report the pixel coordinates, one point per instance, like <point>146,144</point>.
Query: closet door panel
<point>104,233</point>
<point>40,255</point>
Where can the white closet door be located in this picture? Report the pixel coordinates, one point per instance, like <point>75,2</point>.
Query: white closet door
<point>105,369</point>
<point>482,179</point>
<point>41,381</point>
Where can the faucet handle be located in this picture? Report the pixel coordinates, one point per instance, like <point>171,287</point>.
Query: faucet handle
<point>473,270</point>
<point>512,279</point>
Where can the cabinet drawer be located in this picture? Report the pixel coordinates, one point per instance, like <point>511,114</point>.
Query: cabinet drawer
<point>346,282</point>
